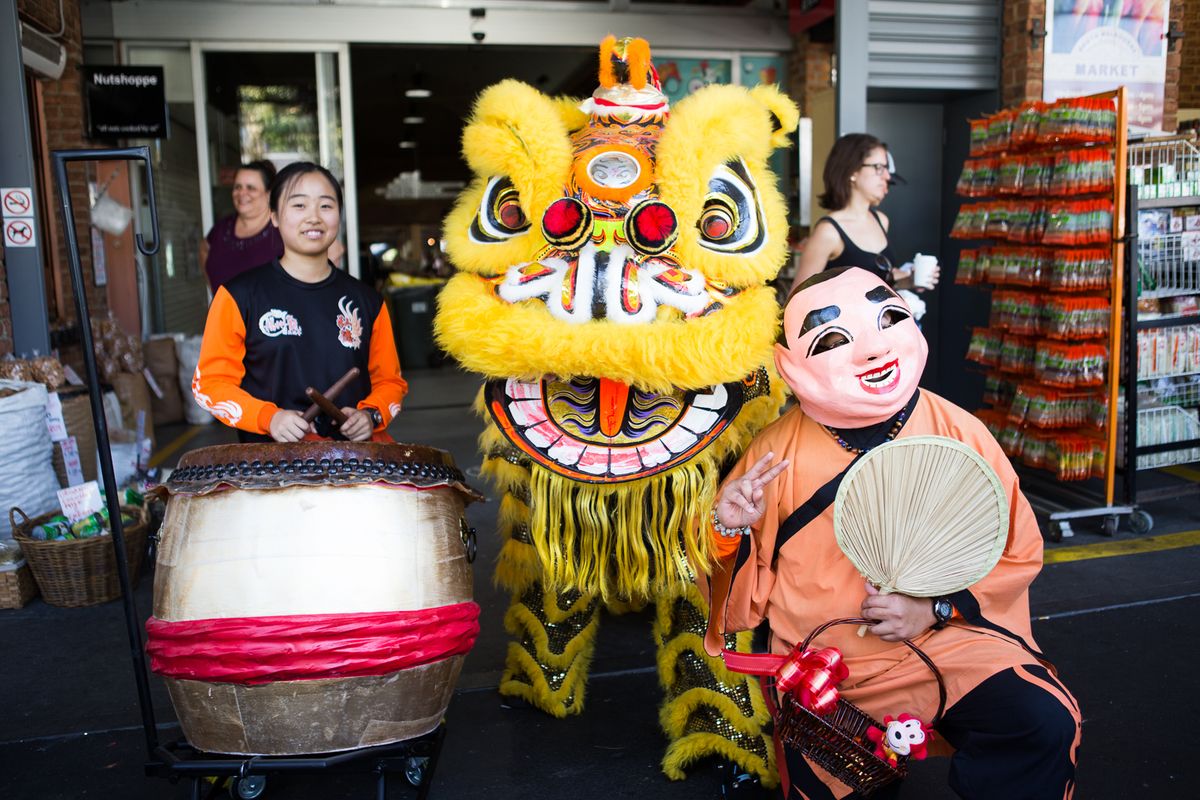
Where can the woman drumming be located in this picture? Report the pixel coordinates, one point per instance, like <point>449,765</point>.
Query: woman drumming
<point>297,322</point>
<point>854,234</point>
<point>246,238</point>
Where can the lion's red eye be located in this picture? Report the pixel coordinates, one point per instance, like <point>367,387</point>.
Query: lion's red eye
<point>511,216</point>
<point>716,224</point>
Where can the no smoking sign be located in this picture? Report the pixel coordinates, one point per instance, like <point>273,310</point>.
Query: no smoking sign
<point>16,202</point>
<point>19,233</point>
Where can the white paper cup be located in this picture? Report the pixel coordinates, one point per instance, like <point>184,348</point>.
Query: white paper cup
<point>923,271</point>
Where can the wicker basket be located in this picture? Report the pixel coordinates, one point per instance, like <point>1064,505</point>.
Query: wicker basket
<point>80,572</point>
<point>17,586</point>
<point>838,742</point>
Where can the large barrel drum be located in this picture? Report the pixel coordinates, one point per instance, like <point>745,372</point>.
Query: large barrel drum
<point>312,597</point>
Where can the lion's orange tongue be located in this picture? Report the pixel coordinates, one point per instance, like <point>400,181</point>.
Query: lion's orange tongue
<point>614,397</point>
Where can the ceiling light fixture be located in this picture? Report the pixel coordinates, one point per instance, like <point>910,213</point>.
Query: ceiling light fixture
<point>408,145</point>
<point>418,93</point>
<point>413,120</point>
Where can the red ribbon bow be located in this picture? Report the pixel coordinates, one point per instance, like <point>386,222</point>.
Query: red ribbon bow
<point>811,676</point>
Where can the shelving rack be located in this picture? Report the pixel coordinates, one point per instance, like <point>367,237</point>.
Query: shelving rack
<point>1162,351</point>
<point>1075,498</point>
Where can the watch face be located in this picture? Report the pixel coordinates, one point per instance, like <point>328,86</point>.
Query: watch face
<point>942,609</point>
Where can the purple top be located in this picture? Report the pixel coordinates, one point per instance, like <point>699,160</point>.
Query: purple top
<point>229,256</point>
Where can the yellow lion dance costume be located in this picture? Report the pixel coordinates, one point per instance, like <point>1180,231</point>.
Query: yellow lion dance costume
<point>613,257</point>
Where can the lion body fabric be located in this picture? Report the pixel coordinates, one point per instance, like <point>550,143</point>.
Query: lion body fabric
<point>613,259</point>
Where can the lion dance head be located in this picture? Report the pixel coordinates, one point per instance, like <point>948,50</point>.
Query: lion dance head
<point>613,257</point>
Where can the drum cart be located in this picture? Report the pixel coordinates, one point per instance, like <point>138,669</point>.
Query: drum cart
<point>416,759</point>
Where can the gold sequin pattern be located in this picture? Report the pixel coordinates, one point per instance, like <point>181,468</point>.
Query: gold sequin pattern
<point>757,385</point>
<point>558,634</point>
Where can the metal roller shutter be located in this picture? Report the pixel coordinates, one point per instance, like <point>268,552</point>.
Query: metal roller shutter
<point>931,44</point>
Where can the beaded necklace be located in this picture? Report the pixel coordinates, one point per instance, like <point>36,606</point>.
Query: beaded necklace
<point>895,430</point>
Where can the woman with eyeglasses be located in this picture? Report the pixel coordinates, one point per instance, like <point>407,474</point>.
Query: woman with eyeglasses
<point>854,234</point>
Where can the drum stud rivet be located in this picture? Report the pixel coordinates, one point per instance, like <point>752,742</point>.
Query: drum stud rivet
<point>297,463</point>
<point>243,464</point>
<point>256,464</point>
<point>310,463</point>
<point>366,463</point>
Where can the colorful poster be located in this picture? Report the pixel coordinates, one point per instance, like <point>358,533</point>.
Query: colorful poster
<point>1097,45</point>
<point>762,70</point>
<point>682,76</point>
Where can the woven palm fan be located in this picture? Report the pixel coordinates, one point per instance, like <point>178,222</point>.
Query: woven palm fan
<point>925,516</point>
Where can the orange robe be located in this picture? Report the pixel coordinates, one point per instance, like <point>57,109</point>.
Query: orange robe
<point>813,582</point>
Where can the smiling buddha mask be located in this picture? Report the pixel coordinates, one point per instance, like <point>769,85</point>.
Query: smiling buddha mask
<point>852,353</point>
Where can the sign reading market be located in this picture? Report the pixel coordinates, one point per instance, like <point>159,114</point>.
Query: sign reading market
<point>1097,46</point>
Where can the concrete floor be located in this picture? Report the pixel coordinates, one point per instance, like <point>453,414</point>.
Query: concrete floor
<point>1116,614</point>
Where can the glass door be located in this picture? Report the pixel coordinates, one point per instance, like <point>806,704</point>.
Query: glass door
<point>281,104</point>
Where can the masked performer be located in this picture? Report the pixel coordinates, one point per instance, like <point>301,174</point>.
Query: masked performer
<point>853,356</point>
<point>613,258</point>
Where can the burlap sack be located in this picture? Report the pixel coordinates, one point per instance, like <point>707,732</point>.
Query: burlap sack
<point>134,395</point>
<point>163,363</point>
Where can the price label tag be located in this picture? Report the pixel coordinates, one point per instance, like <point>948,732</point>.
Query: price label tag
<point>72,376</point>
<point>79,501</point>
<point>54,418</point>
<point>72,462</point>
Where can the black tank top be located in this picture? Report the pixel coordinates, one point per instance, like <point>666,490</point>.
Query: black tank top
<point>854,256</point>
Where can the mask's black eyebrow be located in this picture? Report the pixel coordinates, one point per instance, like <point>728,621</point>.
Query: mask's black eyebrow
<point>879,294</point>
<point>819,317</point>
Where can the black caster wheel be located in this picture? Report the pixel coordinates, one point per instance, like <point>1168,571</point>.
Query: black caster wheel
<point>415,769</point>
<point>1141,521</point>
<point>1111,523</point>
<point>248,788</point>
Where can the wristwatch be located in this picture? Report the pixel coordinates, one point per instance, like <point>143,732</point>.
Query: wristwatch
<point>376,416</point>
<point>943,610</point>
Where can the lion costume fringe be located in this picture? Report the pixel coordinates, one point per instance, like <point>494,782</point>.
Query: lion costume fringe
<point>613,259</point>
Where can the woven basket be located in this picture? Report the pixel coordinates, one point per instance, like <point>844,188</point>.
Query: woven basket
<point>17,586</point>
<point>80,572</point>
<point>838,742</point>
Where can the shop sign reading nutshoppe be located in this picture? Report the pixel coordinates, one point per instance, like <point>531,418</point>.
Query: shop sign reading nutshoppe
<point>125,102</point>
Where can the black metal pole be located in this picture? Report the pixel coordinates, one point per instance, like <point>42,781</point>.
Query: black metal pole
<point>112,495</point>
<point>1129,358</point>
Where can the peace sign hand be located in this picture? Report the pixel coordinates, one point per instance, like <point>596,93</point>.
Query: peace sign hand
<point>741,501</point>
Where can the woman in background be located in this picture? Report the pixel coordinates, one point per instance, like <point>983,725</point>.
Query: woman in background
<point>857,175</point>
<point>246,238</point>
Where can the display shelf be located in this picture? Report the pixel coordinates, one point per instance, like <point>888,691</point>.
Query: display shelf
<point>1162,351</point>
<point>1054,223</point>
<point>1169,202</point>
<point>1168,264</point>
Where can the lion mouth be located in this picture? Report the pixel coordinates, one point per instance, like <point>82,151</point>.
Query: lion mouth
<point>616,285</point>
<point>601,431</point>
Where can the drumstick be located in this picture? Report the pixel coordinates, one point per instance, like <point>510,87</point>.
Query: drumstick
<point>325,405</point>
<point>331,392</point>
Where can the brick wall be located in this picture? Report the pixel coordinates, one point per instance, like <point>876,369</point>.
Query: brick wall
<point>1022,60</point>
<point>809,69</point>
<point>62,127</point>
<point>1189,67</point>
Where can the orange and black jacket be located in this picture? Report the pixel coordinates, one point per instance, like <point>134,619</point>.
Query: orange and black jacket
<point>269,337</point>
